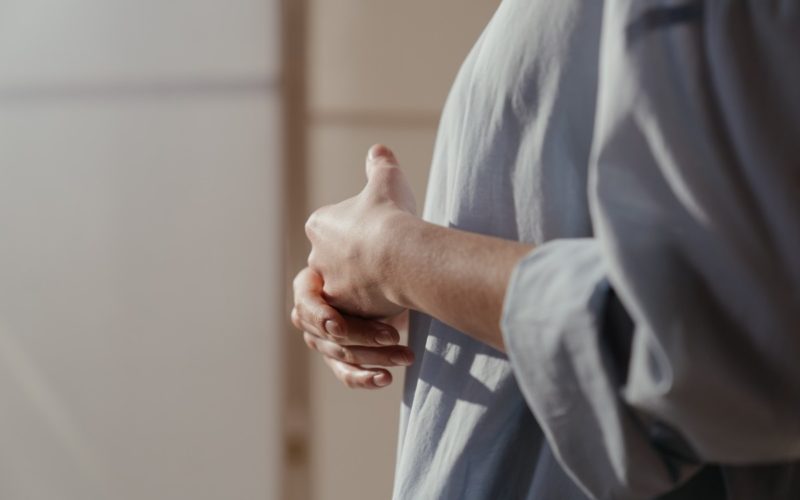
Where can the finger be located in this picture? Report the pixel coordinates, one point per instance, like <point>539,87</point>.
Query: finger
<point>385,178</point>
<point>311,312</point>
<point>379,155</point>
<point>358,355</point>
<point>368,332</point>
<point>307,281</point>
<point>356,377</point>
<point>318,318</point>
<point>355,332</point>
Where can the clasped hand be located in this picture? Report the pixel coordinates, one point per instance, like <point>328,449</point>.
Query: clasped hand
<point>343,301</point>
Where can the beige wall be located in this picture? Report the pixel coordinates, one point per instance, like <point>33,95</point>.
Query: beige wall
<point>140,228</point>
<point>378,71</point>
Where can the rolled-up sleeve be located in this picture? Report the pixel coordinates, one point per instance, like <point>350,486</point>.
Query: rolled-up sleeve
<point>553,317</point>
<point>695,200</point>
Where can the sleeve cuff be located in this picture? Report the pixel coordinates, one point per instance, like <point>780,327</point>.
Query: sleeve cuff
<point>551,323</point>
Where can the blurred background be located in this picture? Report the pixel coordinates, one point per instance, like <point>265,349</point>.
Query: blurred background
<point>157,162</point>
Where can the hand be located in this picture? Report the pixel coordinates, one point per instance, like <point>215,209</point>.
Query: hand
<point>346,343</point>
<point>349,239</point>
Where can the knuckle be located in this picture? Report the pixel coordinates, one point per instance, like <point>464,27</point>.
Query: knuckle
<point>312,315</point>
<point>386,173</point>
<point>392,172</point>
<point>309,226</point>
<point>348,381</point>
<point>345,354</point>
<point>310,342</point>
<point>295,317</point>
<point>311,260</point>
<point>298,281</point>
<point>302,310</point>
<point>318,317</point>
<point>313,223</point>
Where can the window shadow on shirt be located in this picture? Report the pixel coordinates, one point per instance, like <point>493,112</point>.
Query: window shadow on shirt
<point>453,378</point>
<point>506,438</point>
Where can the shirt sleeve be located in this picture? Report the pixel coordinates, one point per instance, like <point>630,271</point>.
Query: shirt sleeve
<point>695,197</point>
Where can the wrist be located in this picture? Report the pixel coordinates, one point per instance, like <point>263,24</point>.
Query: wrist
<point>398,231</point>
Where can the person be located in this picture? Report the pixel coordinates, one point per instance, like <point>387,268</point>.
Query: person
<point>604,288</point>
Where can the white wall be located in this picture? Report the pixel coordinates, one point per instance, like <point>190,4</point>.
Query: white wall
<point>139,250</point>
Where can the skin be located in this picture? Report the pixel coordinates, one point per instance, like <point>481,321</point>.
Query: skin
<point>373,259</point>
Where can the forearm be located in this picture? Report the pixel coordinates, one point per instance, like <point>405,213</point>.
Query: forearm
<point>458,277</point>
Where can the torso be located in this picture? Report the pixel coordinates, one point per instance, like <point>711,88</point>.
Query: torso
<point>510,161</point>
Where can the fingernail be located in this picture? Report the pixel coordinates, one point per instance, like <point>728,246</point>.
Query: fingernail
<point>381,380</point>
<point>379,150</point>
<point>400,359</point>
<point>385,337</point>
<point>333,328</point>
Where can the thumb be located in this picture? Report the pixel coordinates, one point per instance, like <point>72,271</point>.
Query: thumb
<point>379,155</point>
<point>385,175</point>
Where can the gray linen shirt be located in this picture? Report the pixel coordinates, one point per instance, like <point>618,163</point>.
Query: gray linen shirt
<point>654,330</point>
